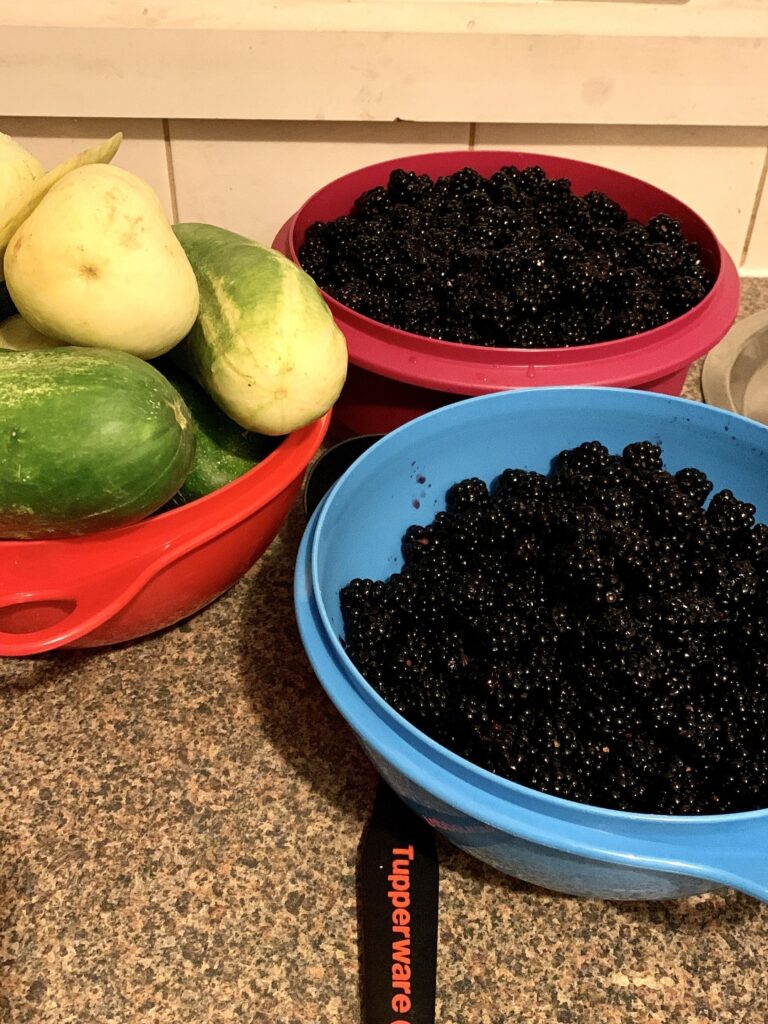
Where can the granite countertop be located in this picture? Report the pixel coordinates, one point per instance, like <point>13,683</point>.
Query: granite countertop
<point>179,823</point>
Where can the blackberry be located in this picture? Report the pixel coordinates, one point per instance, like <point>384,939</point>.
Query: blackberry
<point>581,279</point>
<point>576,216</point>
<point>593,633</point>
<point>589,456</point>
<point>642,455</point>
<point>556,190</point>
<point>407,187</point>
<point>563,246</point>
<point>572,270</point>
<point>576,331</point>
<point>605,242</point>
<point>633,240</point>
<point>465,181</point>
<point>355,293</point>
<point>683,292</point>
<point>605,211</point>
<point>531,180</point>
<point>694,483</point>
<point>727,515</point>
<point>472,493</point>
<point>483,235</point>
<point>538,291</point>
<point>521,483</point>
<point>477,201</point>
<point>661,258</point>
<point>663,228</point>
<point>372,203</point>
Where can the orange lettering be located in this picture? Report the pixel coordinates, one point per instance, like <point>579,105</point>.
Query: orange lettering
<point>399,896</point>
<point>401,950</point>
<point>400,883</point>
<point>401,1003</point>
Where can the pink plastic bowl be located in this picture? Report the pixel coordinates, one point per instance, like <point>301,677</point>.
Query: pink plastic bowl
<point>119,584</point>
<point>395,376</point>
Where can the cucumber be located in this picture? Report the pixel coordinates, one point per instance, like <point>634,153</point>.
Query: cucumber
<point>264,344</point>
<point>89,439</point>
<point>224,451</point>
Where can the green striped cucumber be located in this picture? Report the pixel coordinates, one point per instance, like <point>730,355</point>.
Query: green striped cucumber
<point>89,439</point>
<point>224,451</point>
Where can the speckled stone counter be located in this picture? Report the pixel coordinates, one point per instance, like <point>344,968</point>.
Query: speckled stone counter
<point>179,823</point>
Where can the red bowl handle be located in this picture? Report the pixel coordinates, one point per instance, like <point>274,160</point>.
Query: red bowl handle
<point>77,600</point>
<point>71,608</point>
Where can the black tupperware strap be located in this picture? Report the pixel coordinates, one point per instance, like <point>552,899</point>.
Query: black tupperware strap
<point>398,889</point>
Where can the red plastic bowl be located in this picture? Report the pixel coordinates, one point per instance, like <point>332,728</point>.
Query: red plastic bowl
<point>120,584</point>
<point>395,376</point>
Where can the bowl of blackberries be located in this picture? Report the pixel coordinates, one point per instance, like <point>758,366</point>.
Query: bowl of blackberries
<point>463,273</point>
<point>544,613</point>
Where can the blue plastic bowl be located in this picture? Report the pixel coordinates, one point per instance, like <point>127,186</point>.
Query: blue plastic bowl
<point>357,530</point>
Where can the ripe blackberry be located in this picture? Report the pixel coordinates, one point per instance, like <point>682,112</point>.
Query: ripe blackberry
<point>465,181</point>
<point>372,203</point>
<point>606,211</point>
<point>663,228</point>
<point>471,493</point>
<point>642,455</point>
<point>633,241</point>
<point>594,634</point>
<point>727,515</point>
<point>520,483</point>
<point>407,187</point>
<point>531,180</point>
<point>683,292</point>
<point>661,258</point>
<point>694,483</point>
<point>356,293</point>
<point>588,457</point>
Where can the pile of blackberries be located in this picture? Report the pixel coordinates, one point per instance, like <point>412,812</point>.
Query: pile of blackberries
<point>515,260</point>
<point>599,633</point>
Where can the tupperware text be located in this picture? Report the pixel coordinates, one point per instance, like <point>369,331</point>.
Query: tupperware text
<point>400,897</point>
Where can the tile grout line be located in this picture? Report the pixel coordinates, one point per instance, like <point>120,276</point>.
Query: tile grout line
<point>472,134</point>
<point>169,167</point>
<point>755,209</point>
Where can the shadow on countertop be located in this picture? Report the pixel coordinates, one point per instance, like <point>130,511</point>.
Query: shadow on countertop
<point>290,704</point>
